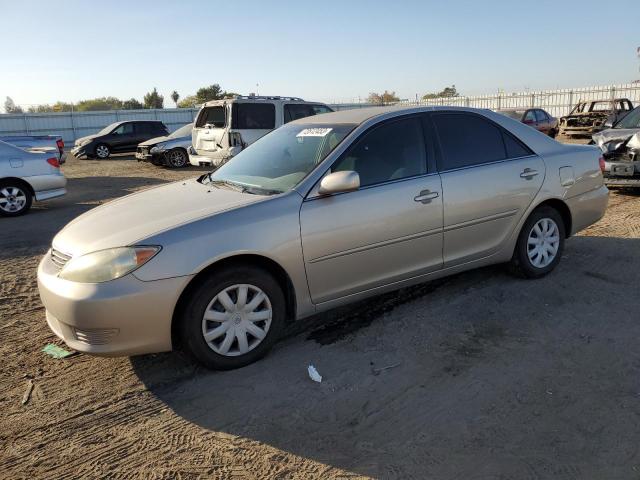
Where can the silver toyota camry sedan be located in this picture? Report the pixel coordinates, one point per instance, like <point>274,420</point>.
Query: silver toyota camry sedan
<point>321,212</point>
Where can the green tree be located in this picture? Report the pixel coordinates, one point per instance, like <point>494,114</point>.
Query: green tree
<point>448,92</point>
<point>382,98</point>
<point>153,99</point>
<point>132,104</point>
<point>11,107</point>
<point>175,96</point>
<point>212,92</point>
<point>188,102</point>
<point>97,104</point>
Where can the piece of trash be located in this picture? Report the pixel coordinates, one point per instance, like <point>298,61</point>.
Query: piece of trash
<point>56,352</point>
<point>27,394</point>
<point>314,375</point>
<point>376,371</point>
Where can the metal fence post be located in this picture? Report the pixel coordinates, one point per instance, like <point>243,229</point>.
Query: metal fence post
<point>73,125</point>
<point>533,100</point>
<point>26,124</point>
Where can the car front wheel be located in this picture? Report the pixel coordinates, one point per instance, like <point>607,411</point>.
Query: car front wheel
<point>103,151</point>
<point>15,199</point>
<point>540,244</point>
<point>177,158</point>
<point>233,318</point>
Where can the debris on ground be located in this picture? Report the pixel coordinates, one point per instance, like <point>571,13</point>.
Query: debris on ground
<point>314,375</point>
<point>56,352</point>
<point>27,393</point>
<point>376,371</point>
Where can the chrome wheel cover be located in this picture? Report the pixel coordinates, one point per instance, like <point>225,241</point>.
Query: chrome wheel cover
<point>12,199</point>
<point>543,243</point>
<point>177,158</point>
<point>237,320</point>
<point>102,151</point>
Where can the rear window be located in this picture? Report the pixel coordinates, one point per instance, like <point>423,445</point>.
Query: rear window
<point>212,116</point>
<point>253,116</point>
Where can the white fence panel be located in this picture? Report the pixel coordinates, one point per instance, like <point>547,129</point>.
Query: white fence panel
<point>72,125</point>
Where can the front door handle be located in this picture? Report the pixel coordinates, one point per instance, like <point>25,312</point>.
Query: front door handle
<point>426,196</point>
<point>528,173</point>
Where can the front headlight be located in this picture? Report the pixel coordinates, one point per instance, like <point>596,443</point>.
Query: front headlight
<point>105,265</point>
<point>157,149</point>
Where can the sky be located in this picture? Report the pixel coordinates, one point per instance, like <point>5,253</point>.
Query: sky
<point>323,50</point>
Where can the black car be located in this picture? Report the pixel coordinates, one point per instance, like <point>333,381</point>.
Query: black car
<point>117,138</point>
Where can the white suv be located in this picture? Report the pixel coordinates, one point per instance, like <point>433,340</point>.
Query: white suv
<point>224,127</point>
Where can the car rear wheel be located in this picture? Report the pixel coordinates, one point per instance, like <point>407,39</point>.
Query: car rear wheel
<point>540,244</point>
<point>103,151</point>
<point>177,158</point>
<point>15,199</point>
<point>233,318</point>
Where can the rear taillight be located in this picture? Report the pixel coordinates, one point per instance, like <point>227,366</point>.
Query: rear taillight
<point>53,162</point>
<point>601,161</point>
<point>60,144</point>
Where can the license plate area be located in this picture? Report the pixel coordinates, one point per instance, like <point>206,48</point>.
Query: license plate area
<point>622,170</point>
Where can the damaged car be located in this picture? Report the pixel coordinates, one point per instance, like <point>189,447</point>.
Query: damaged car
<point>620,147</point>
<point>591,116</point>
<point>169,150</point>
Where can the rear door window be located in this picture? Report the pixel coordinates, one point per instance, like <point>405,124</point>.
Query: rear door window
<point>253,116</point>
<point>467,140</point>
<point>212,116</point>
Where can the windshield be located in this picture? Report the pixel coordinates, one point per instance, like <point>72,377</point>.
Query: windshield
<point>281,159</point>
<point>515,114</point>
<point>107,129</point>
<point>631,120</point>
<point>184,131</point>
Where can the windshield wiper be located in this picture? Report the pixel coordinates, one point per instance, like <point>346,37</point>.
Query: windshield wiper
<point>260,191</point>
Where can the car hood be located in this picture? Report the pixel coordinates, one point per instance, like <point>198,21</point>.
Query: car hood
<point>131,219</point>
<point>614,134</point>
<point>82,139</point>
<point>155,140</point>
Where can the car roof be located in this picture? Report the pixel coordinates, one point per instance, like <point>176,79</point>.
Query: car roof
<point>360,115</point>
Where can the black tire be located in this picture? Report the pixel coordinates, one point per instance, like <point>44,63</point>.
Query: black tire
<point>102,147</point>
<point>191,317</point>
<point>521,264</point>
<point>15,198</point>
<point>176,158</point>
<point>553,133</point>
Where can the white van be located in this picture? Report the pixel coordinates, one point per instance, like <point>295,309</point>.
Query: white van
<point>224,127</point>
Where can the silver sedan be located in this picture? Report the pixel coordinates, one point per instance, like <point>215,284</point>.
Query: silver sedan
<point>27,175</point>
<point>321,212</point>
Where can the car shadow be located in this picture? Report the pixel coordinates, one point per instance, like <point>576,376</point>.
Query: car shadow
<point>481,370</point>
<point>38,227</point>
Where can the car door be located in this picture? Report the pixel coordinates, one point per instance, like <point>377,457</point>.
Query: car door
<point>529,118</point>
<point>388,230</point>
<point>253,120</point>
<point>543,121</point>
<point>120,139</point>
<point>489,179</point>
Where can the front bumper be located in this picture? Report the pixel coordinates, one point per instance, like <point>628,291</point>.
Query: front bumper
<point>118,318</point>
<point>154,158</point>
<point>80,151</point>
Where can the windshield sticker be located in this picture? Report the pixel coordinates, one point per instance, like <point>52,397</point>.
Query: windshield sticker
<point>314,132</point>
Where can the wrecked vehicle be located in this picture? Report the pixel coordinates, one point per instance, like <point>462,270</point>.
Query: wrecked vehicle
<point>620,147</point>
<point>591,116</point>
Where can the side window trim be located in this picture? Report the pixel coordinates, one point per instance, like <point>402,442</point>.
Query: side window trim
<point>438,147</point>
<point>425,171</point>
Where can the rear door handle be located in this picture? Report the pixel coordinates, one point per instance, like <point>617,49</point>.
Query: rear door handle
<point>426,196</point>
<point>528,173</point>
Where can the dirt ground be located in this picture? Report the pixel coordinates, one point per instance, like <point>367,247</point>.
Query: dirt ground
<point>493,377</point>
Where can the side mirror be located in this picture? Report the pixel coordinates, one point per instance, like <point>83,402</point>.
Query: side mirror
<point>338,182</point>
